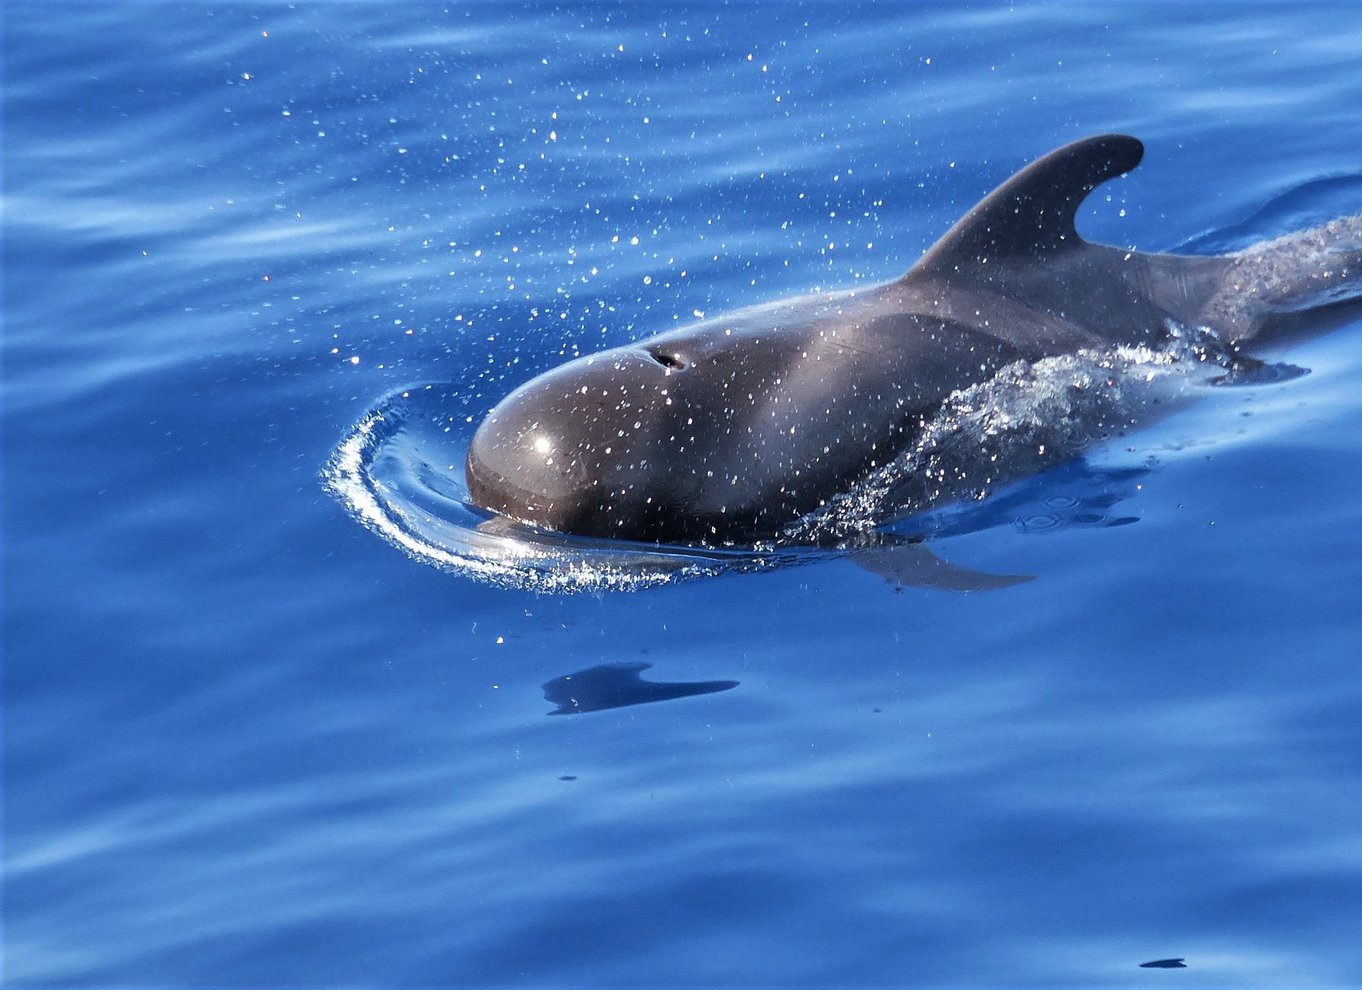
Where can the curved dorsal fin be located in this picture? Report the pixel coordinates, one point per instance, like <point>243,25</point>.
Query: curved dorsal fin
<point>1032,213</point>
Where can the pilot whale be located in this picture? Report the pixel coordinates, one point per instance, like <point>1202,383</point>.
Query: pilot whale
<point>732,429</point>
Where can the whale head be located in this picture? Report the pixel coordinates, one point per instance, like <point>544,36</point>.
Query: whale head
<point>725,432</point>
<point>589,448</point>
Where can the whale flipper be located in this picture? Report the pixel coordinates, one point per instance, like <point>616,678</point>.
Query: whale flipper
<point>912,565</point>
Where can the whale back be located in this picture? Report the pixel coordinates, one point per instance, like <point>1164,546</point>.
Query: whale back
<point>1020,245</point>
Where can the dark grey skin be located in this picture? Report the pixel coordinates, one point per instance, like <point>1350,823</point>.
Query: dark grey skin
<point>729,430</point>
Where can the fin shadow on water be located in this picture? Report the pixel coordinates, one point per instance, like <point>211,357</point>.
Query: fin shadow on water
<point>617,685</point>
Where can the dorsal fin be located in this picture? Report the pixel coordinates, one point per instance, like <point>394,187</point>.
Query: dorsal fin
<point>1032,213</point>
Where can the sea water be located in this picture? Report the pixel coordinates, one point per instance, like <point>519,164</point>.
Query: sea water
<point>249,742</point>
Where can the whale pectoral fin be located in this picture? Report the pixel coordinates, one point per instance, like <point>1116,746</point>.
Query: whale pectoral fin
<point>1245,370</point>
<point>1033,212</point>
<point>912,565</point>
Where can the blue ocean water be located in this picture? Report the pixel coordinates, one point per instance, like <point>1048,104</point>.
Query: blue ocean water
<point>247,742</point>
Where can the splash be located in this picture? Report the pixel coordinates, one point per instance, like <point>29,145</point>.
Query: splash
<point>1029,417</point>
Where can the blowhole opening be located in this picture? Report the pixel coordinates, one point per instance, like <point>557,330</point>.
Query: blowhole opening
<point>668,361</point>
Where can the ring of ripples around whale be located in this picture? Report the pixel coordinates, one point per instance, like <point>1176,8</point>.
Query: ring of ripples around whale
<point>400,472</point>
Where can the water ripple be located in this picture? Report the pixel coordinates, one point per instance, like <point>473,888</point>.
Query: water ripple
<point>400,472</point>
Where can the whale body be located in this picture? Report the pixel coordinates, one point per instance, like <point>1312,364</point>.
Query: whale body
<point>734,428</point>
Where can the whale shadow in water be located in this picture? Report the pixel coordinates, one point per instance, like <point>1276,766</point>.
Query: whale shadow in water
<point>618,685</point>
